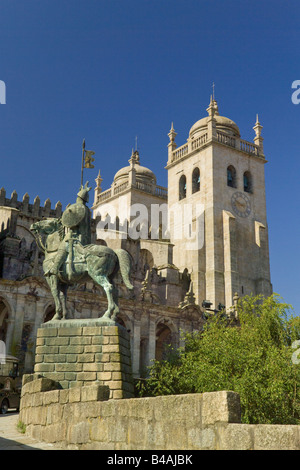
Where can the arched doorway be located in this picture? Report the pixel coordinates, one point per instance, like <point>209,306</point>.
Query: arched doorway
<point>49,314</point>
<point>164,338</point>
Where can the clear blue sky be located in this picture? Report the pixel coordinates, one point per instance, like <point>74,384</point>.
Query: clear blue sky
<point>111,70</point>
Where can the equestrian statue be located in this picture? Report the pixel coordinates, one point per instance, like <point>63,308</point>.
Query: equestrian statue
<point>71,259</point>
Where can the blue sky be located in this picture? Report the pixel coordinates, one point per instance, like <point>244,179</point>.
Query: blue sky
<point>111,70</point>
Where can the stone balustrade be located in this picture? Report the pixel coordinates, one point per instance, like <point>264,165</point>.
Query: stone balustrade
<point>149,188</point>
<point>220,137</point>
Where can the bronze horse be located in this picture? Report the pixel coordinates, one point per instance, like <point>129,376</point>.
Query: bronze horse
<point>83,263</point>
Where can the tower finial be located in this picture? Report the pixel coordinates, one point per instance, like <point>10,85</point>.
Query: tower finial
<point>258,139</point>
<point>213,87</point>
<point>172,134</point>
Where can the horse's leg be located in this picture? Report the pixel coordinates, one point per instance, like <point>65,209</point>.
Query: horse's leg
<point>102,280</point>
<point>115,295</point>
<point>53,284</point>
<point>63,298</point>
<point>99,269</point>
<point>107,286</point>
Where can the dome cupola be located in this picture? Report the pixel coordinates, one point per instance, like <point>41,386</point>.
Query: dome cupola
<point>142,174</point>
<point>223,124</point>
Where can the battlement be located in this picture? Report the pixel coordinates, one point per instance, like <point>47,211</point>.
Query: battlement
<point>34,210</point>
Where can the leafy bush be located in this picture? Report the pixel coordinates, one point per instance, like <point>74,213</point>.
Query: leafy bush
<point>252,357</point>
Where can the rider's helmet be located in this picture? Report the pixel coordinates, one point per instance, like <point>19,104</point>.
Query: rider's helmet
<point>84,192</point>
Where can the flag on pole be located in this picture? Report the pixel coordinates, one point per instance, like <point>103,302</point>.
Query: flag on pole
<point>88,159</point>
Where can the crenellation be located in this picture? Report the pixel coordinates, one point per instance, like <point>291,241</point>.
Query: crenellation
<point>14,199</point>
<point>34,210</point>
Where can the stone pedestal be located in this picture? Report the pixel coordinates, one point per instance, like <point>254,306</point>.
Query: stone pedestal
<point>85,352</point>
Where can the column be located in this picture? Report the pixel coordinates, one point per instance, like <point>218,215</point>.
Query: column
<point>231,276</point>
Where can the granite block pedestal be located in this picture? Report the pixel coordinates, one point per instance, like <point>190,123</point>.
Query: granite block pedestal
<point>85,352</point>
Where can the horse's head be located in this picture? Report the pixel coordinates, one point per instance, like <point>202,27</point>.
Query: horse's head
<point>46,226</point>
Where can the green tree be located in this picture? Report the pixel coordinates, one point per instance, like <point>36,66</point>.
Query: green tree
<point>252,357</point>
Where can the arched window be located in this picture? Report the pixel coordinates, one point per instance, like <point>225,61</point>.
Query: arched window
<point>231,176</point>
<point>145,261</point>
<point>247,182</point>
<point>196,180</point>
<point>182,187</point>
<point>107,222</point>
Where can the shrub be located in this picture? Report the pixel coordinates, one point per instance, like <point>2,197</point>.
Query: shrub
<point>252,357</point>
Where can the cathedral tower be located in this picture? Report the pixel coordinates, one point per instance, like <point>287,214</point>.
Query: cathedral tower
<point>216,192</point>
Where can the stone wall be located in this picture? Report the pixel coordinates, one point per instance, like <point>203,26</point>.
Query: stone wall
<point>78,418</point>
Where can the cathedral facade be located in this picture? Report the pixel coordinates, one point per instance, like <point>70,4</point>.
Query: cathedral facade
<point>193,245</point>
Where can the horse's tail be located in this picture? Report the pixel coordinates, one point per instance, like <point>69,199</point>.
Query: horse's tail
<point>125,267</point>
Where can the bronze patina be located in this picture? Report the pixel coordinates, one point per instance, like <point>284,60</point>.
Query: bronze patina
<point>71,259</point>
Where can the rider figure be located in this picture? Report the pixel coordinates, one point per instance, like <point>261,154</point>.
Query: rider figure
<point>79,215</point>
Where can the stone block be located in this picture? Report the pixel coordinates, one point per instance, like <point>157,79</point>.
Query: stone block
<point>116,357</point>
<point>100,339</point>
<point>39,358</point>
<point>37,399</point>
<point>110,348</point>
<point>46,350</point>
<point>46,332</point>
<point>115,384</point>
<point>41,367</point>
<point>71,358</point>
<point>99,430</point>
<point>51,397</point>
<point>87,376</point>
<point>81,340</point>
<point>74,394</point>
<point>79,433</point>
<point>55,358</point>
<point>92,330</point>
<point>112,367</point>
<point>93,348</point>
<point>86,357</point>
<point>56,377</point>
<point>117,394</point>
<point>111,331</point>
<point>100,357</point>
<point>104,376</point>
<point>63,396</point>
<point>40,385</point>
<point>71,349</point>
<point>57,341</point>
<point>276,437</point>
<point>67,367</point>
<point>92,367</point>
<point>26,378</point>
<point>220,407</point>
<point>70,376</point>
<point>95,393</point>
<point>235,437</point>
<point>55,432</point>
<point>69,331</point>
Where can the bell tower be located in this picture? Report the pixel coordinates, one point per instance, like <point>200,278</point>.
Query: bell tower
<point>216,192</point>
